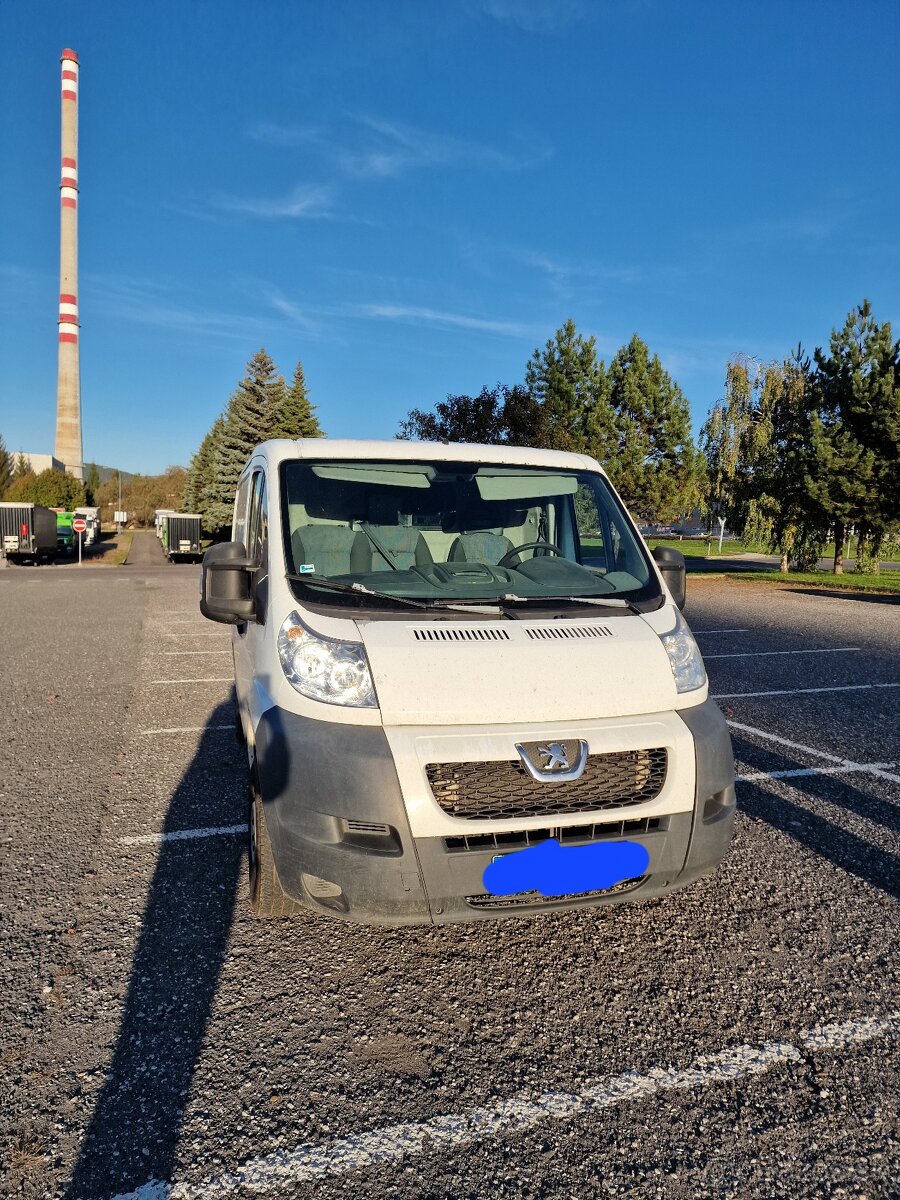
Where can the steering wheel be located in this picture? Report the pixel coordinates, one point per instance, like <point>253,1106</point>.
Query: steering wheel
<point>529,546</point>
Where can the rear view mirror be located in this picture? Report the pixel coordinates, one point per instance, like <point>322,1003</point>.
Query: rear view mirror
<point>226,584</point>
<point>672,568</point>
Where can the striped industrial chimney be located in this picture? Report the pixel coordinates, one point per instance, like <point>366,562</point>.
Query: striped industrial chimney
<point>68,387</point>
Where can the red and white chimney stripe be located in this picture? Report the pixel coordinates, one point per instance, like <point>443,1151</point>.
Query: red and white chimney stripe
<point>68,317</point>
<point>69,75</point>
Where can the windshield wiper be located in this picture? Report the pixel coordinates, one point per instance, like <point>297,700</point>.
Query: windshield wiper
<point>360,589</point>
<point>598,601</point>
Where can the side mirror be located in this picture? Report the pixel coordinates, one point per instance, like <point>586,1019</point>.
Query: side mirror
<point>671,567</point>
<point>226,584</point>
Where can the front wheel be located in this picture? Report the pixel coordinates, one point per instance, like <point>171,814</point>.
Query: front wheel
<point>267,897</point>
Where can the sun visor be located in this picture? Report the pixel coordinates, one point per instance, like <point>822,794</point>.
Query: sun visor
<point>417,476</point>
<point>508,485</point>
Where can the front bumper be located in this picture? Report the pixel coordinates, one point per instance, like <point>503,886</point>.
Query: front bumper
<point>336,815</point>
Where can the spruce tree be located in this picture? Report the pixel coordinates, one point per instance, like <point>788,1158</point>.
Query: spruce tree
<point>21,468</point>
<point>5,468</point>
<point>245,423</point>
<point>293,416</point>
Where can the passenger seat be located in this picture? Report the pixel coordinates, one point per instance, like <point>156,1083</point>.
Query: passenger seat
<point>330,549</point>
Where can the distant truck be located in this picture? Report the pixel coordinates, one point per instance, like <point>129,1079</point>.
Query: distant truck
<point>65,534</point>
<point>181,536</point>
<point>91,517</point>
<point>158,517</point>
<point>27,532</point>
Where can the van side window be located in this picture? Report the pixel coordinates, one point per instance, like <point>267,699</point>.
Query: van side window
<point>590,528</point>
<point>239,532</point>
<point>259,520</point>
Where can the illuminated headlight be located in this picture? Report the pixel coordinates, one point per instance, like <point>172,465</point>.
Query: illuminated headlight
<point>324,668</point>
<point>684,656</point>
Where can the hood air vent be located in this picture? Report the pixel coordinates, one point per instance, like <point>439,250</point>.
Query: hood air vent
<point>549,633</point>
<point>473,633</point>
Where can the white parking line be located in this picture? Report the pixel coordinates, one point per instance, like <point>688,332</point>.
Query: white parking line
<point>212,679</point>
<point>772,653</point>
<point>872,768</point>
<point>721,631</point>
<point>180,653</point>
<point>189,729</point>
<point>847,687</point>
<point>510,1118</point>
<point>845,764</point>
<point>182,835</point>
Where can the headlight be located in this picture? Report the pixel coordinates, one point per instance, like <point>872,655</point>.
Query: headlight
<point>684,656</point>
<point>324,668</point>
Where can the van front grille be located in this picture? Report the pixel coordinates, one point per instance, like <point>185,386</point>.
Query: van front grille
<point>536,899</point>
<point>520,838</point>
<point>489,791</point>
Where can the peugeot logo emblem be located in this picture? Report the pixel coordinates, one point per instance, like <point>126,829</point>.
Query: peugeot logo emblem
<point>554,757</point>
<point>554,762</point>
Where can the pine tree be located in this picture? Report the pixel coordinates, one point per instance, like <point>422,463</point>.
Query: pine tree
<point>293,416</point>
<point>655,465</point>
<point>856,439</point>
<point>21,468</point>
<point>569,383</point>
<point>5,468</point>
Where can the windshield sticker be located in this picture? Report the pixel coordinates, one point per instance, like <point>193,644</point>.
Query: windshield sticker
<point>555,870</point>
<point>306,569</point>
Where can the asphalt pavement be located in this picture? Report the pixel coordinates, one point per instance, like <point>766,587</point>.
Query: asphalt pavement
<point>739,1038</point>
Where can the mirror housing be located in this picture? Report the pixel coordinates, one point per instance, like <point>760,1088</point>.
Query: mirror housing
<point>672,568</point>
<point>226,584</point>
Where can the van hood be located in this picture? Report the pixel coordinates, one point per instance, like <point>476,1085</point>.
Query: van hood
<point>467,672</point>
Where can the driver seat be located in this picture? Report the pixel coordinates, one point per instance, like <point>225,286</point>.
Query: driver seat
<point>482,546</point>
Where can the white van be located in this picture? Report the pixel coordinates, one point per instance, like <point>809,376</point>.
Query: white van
<point>455,663</point>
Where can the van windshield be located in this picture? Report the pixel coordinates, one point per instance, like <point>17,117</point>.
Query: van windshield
<point>438,531</point>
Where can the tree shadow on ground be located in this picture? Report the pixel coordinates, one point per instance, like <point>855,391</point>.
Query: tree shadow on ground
<point>849,594</point>
<point>133,1134</point>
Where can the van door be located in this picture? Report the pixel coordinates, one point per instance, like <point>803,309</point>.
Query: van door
<point>250,635</point>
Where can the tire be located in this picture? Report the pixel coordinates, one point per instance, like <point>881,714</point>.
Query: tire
<point>267,897</point>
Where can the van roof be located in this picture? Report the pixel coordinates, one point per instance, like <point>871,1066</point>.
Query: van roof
<point>282,449</point>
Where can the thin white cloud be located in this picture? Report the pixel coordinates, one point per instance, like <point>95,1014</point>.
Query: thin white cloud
<point>121,300</point>
<point>293,312</point>
<point>536,16</point>
<point>399,147</point>
<point>415,315</point>
<point>270,133</point>
<point>306,202</point>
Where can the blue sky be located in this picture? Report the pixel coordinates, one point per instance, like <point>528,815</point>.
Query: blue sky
<point>411,195</point>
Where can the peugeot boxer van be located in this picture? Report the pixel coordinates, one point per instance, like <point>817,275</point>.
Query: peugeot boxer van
<point>466,687</point>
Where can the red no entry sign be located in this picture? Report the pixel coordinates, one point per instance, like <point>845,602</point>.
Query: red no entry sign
<point>79,525</point>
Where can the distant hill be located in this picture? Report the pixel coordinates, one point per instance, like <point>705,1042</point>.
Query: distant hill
<point>107,472</point>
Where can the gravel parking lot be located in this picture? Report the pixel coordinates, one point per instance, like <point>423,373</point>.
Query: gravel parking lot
<point>739,1038</point>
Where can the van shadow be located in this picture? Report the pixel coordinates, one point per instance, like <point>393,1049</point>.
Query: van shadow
<point>133,1133</point>
<point>839,845</point>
